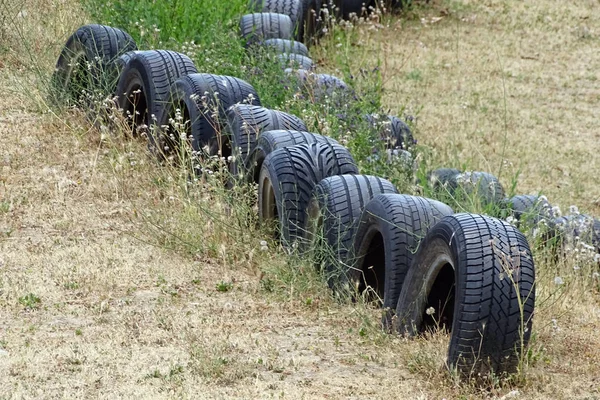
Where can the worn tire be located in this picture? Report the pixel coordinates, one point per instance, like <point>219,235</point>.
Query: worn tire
<point>291,8</point>
<point>318,86</point>
<point>144,85</point>
<point>443,179</point>
<point>529,209</point>
<point>286,181</point>
<point>388,235</point>
<point>99,46</point>
<point>295,61</point>
<point>245,123</point>
<point>477,273</point>
<point>262,26</point>
<point>270,141</point>
<point>286,46</point>
<point>393,131</point>
<point>334,215</point>
<point>483,185</point>
<point>196,96</point>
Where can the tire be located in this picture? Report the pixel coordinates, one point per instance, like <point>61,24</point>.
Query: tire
<point>270,141</point>
<point>310,26</point>
<point>346,7</point>
<point>575,228</point>
<point>388,234</point>
<point>295,61</point>
<point>291,8</point>
<point>443,179</point>
<point>393,131</point>
<point>245,123</point>
<point>334,214</point>
<point>286,181</point>
<point>144,86</point>
<point>196,96</point>
<point>262,26</point>
<point>483,185</point>
<point>286,46</point>
<point>319,86</point>
<point>528,209</point>
<point>88,63</point>
<point>468,268</point>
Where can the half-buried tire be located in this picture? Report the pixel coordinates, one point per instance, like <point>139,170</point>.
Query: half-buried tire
<point>202,101</point>
<point>286,182</point>
<point>388,235</point>
<point>334,216</point>
<point>270,141</point>
<point>261,26</point>
<point>474,276</point>
<point>87,65</point>
<point>144,86</point>
<point>245,123</point>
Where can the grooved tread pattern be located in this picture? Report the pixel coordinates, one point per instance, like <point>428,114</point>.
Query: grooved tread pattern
<point>341,201</point>
<point>245,125</point>
<point>158,70</point>
<point>291,8</point>
<point>295,61</point>
<point>293,173</point>
<point>287,46</point>
<point>494,295</point>
<point>402,221</point>
<point>261,26</point>
<point>206,98</point>
<point>102,46</point>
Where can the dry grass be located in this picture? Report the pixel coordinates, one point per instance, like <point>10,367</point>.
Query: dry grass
<point>95,304</point>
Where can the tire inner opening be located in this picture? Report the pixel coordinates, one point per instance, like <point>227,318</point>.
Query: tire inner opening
<point>373,267</point>
<point>441,298</point>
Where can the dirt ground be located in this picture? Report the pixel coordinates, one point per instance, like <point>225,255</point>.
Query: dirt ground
<point>87,310</point>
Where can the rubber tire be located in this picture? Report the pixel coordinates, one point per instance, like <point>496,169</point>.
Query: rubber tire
<point>310,26</point>
<point>443,179</point>
<point>262,26</point>
<point>98,45</point>
<point>270,141</point>
<point>401,221</point>
<point>291,8</point>
<point>153,72</point>
<point>334,213</point>
<point>195,95</point>
<point>486,317</point>
<point>286,182</point>
<point>578,227</point>
<point>319,86</point>
<point>245,123</point>
<point>295,61</point>
<point>485,185</point>
<point>529,209</point>
<point>347,7</point>
<point>395,132</point>
<point>286,46</point>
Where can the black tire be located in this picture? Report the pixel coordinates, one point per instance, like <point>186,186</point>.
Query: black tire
<point>287,179</point>
<point>319,86</point>
<point>483,185</point>
<point>295,61</point>
<point>334,214</point>
<point>88,64</point>
<point>287,46</point>
<point>443,179</point>
<point>144,86</point>
<point>291,8</point>
<point>388,235</point>
<point>393,131</point>
<point>573,228</point>
<point>261,26</point>
<point>196,96</point>
<point>346,7</point>
<point>270,141</point>
<point>245,123</point>
<point>310,26</point>
<point>477,273</point>
<point>529,209</point>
